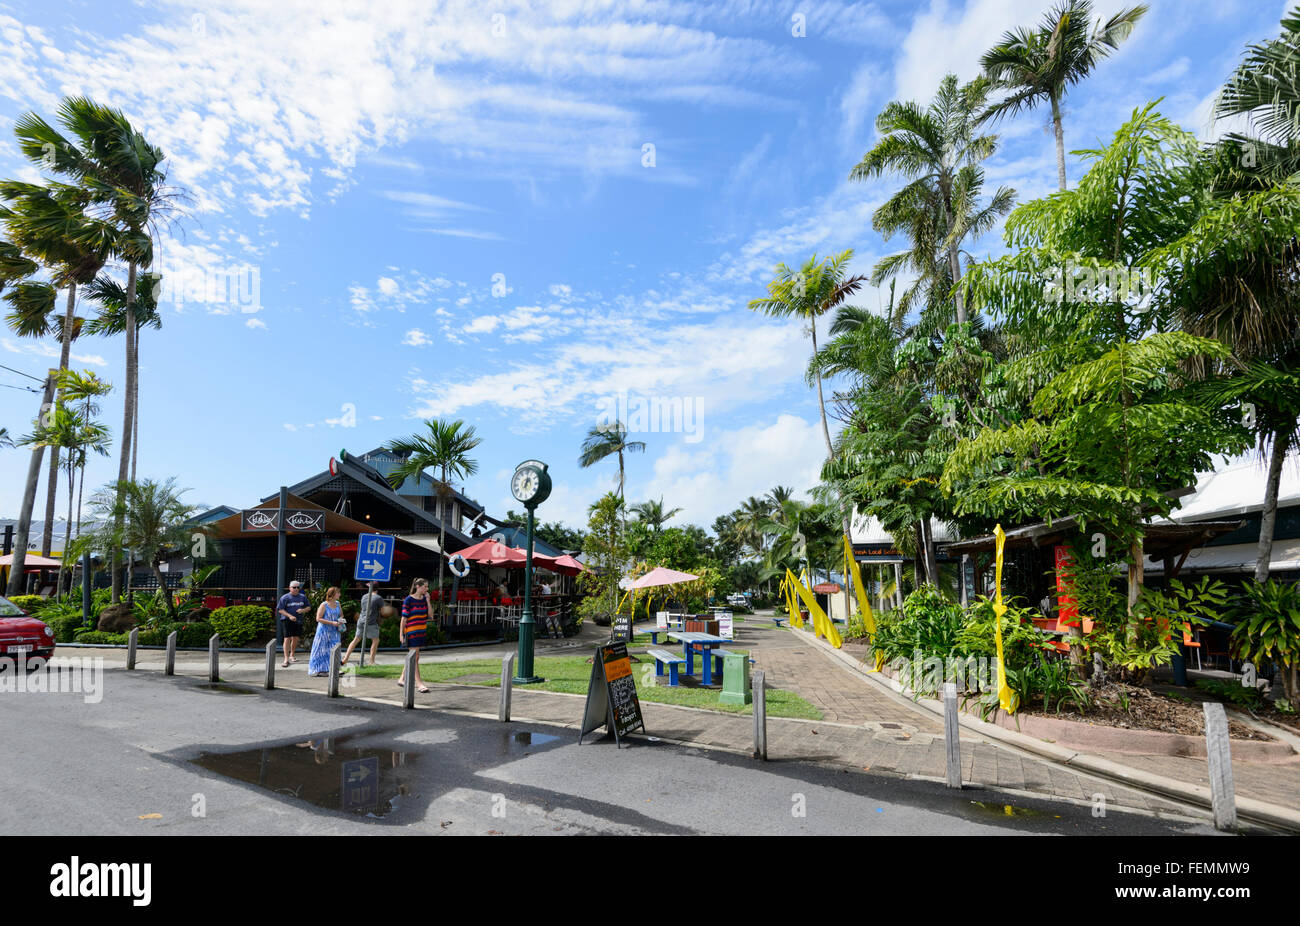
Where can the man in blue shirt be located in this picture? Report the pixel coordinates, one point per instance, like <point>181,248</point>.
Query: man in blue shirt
<point>290,611</point>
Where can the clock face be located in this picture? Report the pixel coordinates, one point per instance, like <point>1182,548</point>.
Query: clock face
<point>524,484</point>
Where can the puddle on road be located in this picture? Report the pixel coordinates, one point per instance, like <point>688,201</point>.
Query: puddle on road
<point>1011,810</point>
<point>228,689</point>
<point>368,782</point>
<point>523,742</point>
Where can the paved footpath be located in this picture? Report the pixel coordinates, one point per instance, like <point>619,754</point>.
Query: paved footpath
<point>866,727</point>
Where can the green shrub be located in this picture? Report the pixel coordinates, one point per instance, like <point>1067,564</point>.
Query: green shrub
<point>927,622</point>
<point>1234,693</point>
<point>64,619</point>
<point>238,624</point>
<point>100,637</point>
<point>29,603</point>
<point>1022,643</point>
<point>197,633</point>
<point>1269,631</point>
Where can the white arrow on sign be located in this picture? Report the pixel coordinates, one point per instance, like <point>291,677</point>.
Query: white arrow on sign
<point>373,566</point>
<point>364,773</point>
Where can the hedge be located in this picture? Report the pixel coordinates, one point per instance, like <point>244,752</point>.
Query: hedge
<point>239,624</point>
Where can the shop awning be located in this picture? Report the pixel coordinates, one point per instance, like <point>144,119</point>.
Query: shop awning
<point>1234,557</point>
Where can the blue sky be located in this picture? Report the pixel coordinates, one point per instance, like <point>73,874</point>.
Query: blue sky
<point>513,214</point>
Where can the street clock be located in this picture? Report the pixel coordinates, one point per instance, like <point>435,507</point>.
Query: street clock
<point>531,484</point>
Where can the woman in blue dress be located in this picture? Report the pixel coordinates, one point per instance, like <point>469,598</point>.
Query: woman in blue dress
<point>329,629</point>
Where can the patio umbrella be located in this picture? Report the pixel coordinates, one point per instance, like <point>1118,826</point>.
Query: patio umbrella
<point>568,565</point>
<point>30,561</point>
<point>492,553</point>
<point>661,575</point>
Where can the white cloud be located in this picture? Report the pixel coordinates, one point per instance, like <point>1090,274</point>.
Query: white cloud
<point>416,338</point>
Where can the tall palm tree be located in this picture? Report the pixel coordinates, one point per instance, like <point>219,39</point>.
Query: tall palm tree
<point>653,513</point>
<point>606,440</point>
<point>83,387</point>
<point>1037,65</point>
<point>48,224</point>
<point>939,151</point>
<point>66,428</point>
<point>126,188</point>
<point>445,446</point>
<point>1265,90</point>
<point>110,320</point>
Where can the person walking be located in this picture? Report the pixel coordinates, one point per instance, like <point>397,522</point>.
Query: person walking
<point>290,609</point>
<point>415,622</point>
<point>367,624</point>
<point>329,630</point>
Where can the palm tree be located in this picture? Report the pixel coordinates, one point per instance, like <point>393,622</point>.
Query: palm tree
<point>148,517</point>
<point>1034,65</point>
<point>83,387</point>
<point>126,189</point>
<point>653,513</point>
<point>939,152</point>
<point>1265,90</point>
<point>48,224</point>
<point>445,447</point>
<point>110,320</point>
<point>605,440</point>
<point>76,434</point>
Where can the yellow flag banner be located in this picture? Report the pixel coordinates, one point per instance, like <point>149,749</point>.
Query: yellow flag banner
<point>787,589</point>
<point>1006,696</point>
<point>819,616</point>
<point>819,624</point>
<point>851,569</point>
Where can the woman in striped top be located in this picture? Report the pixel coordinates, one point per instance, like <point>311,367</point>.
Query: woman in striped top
<point>415,621</point>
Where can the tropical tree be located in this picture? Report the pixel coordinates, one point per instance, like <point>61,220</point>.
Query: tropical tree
<point>81,389</point>
<point>938,150</point>
<point>110,321</point>
<point>1113,426</point>
<point>606,440</point>
<point>1264,89</point>
<point>127,194</point>
<point>77,435</point>
<point>48,225</point>
<point>148,517</point>
<point>1038,65</point>
<point>444,447</point>
<point>652,513</point>
<point>605,552</point>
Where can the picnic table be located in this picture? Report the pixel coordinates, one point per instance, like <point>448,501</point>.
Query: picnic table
<point>705,644</point>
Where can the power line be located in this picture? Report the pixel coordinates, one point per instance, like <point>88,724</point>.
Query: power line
<point>23,388</point>
<point>21,373</point>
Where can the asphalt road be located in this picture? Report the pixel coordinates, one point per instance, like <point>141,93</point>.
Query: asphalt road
<point>160,756</point>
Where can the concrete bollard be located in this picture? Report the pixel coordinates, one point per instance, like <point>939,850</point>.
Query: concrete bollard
<point>507,674</point>
<point>951,734</point>
<point>214,660</point>
<point>1218,752</point>
<point>169,666</point>
<point>408,694</point>
<point>132,641</point>
<point>760,716</point>
<point>270,666</point>
<point>334,670</point>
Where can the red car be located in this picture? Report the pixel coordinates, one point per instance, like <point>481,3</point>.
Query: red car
<point>20,633</point>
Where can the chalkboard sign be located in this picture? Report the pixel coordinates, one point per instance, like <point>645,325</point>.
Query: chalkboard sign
<point>611,694</point>
<point>622,629</point>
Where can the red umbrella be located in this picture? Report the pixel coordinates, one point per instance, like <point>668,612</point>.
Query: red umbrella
<point>493,553</point>
<point>569,566</point>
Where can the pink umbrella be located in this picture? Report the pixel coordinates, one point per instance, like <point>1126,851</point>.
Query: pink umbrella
<point>661,575</point>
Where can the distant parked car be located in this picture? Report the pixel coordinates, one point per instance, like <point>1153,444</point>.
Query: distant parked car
<point>23,634</point>
<point>738,600</point>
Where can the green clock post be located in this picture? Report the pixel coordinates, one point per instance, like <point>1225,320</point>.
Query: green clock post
<point>531,485</point>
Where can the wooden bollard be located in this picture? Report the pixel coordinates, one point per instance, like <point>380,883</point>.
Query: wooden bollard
<point>214,659</point>
<point>408,695</point>
<point>951,734</point>
<point>132,641</point>
<point>334,670</point>
<point>507,675</point>
<point>760,715</point>
<point>1218,753</point>
<point>270,666</point>
<point>169,666</point>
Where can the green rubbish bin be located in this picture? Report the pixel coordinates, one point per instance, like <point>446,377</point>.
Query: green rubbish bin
<point>735,680</point>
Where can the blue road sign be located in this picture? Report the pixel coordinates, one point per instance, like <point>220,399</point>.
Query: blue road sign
<point>360,785</point>
<point>375,557</point>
